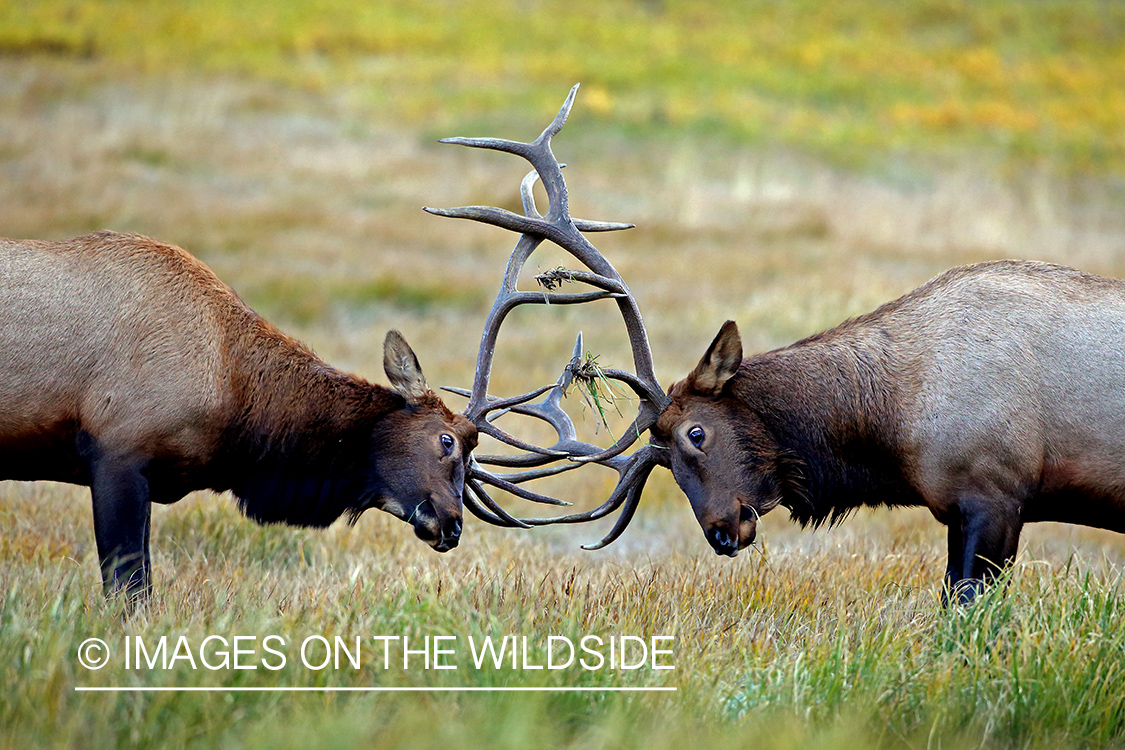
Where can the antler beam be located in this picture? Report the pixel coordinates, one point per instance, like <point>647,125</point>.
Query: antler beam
<point>568,452</point>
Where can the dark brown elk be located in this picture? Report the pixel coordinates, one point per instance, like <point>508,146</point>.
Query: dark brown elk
<point>993,395</point>
<point>129,367</point>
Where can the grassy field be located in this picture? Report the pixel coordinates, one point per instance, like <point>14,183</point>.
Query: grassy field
<point>1034,80</point>
<point>818,642</point>
<point>787,166</point>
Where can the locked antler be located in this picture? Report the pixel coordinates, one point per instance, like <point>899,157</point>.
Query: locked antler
<point>568,452</point>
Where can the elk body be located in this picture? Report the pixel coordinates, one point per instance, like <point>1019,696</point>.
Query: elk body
<point>129,367</point>
<point>994,395</point>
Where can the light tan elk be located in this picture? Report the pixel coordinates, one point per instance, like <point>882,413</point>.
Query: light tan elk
<point>129,367</point>
<point>994,395</point>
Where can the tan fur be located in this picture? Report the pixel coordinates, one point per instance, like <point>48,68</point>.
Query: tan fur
<point>123,335</point>
<point>1004,371</point>
<point>127,365</point>
<point>994,394</point>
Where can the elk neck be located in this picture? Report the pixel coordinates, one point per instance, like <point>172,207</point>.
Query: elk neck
<point>300,433</point>
<point>832,406</point>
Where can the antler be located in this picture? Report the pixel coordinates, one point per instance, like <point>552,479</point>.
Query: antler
<point>568,452</point>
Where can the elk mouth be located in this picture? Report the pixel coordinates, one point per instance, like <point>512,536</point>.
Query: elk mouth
<point>444,545</point>
<point>439,539</point>
<point>441,543</point>
<point>723,543</point>
<point>747,524</point>
<point>728,541</point>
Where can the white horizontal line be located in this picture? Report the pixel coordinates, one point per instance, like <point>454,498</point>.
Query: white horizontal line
<point>80,689</point>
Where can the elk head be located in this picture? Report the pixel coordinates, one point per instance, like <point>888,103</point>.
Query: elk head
<point>568,452</point>
<point>721,455</point>
<point>419,453</point>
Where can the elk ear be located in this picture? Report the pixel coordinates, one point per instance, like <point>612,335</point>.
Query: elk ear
<point>402,368</point>
<point>720,363</point>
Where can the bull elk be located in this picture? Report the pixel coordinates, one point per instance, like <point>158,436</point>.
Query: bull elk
<point>129,367</point>
<point>994,395</point>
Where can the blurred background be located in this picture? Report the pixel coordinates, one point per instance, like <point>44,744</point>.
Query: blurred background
<point>787,164</point>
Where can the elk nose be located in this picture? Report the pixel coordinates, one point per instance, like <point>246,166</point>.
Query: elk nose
<point>445,545</point>
<point>450,537</point>
<point>722,542</point>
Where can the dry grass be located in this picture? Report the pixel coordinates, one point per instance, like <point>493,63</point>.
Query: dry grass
<point>820,636</point>
<point>825,639</point>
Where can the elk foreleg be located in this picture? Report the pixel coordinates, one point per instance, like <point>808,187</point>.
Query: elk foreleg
<point>989,536</point>
<point>954,570</point>
<point>122,511</point>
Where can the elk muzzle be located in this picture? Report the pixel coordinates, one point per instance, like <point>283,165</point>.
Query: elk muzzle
<point>440,530</point>
<point>727,535</point>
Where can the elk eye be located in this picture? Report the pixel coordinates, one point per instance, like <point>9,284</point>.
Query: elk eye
<point>696,435</point>
<point>447,443</point>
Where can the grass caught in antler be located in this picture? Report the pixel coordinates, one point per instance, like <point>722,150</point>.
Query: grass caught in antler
<point>555,278</point>
<point>598,392</point>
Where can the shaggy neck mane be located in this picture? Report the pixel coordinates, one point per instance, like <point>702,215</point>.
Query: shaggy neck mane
<point>304,433</point>
<point>829,405</point>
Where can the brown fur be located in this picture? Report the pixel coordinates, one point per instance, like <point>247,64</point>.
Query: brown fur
<point>129,357</point>
<point>994,395</point>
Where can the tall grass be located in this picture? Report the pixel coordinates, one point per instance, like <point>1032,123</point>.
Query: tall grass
<point>773,649</point>
<point>284,144</point>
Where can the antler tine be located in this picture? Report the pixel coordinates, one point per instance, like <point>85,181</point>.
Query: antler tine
<point>628,510</point>
<point>647,390</point>
<point>582,225</point>
<point>549,411</point>
<point>630,470</point>
<point>514,489</point>
<point>560,119</point>
<point>485,508</point>
<point>527,194</point>
<point>536,462</point>
<point>638,466</point>
<point>495,432</point>
<point>495,404</point>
